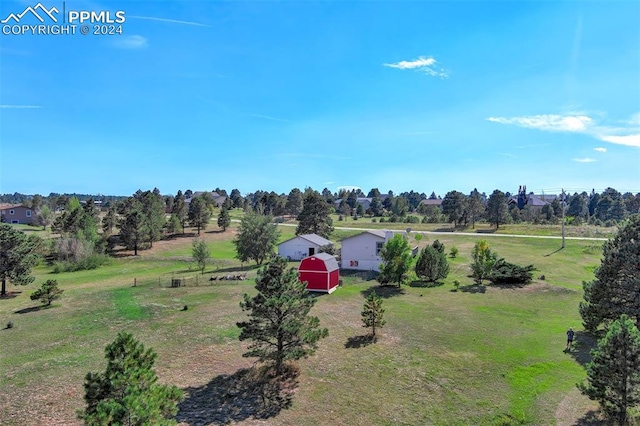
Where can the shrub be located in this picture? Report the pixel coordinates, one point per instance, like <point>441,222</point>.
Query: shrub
<point>412,219</point>
<point>374,220</point>
<point>9,325</point>
<point>438,246</point>
<point>504,272</point>
<point>454,252</point>
<point>483,261</point>
<point>91,262</point>
<point>432,264</point>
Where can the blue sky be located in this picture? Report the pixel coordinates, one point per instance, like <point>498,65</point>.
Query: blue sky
<point>429,96</point>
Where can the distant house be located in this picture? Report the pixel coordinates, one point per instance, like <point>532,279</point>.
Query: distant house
<point>530,200</point>
<point>320,272</point>
<point>362,251</point>
<point>302,246</point>
<point>432,202</point>
<point>217,198</point>
<point>365,202</point>
<point>16,213</point>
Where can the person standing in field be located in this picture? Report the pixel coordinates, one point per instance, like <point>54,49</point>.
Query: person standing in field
<point>570,334</point>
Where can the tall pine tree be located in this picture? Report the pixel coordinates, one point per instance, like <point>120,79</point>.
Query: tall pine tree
<point>279,325</point>
<point>372,313</point>
<point>314,217</point>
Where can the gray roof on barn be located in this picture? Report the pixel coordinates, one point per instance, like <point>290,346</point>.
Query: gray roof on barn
<point>328,259</point>
<point>312,238</point>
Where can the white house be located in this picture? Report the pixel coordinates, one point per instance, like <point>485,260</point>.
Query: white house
<point>301,246</point>
<point>362,251</point>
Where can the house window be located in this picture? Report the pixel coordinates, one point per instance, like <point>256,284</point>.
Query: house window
<point>353,263</point>
<point>11,211</point>
<point>28,213</point>
<point>379,247</point>
<point>15,221</point>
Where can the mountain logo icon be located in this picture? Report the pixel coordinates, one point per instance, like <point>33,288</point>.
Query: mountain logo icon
<point>34,11</point>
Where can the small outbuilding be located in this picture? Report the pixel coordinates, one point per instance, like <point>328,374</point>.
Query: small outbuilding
<point>320,272</point>
<point>302,246</point>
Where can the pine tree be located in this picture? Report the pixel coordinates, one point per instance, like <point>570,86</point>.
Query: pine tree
<point>47,293</point>
<point>127,392</point>
<point>613,375</point>
<point>483,261</point>
<point>132,224</point>
<point>18,254</point>
<point>497,209</point>
<point>314,217</point>
<point>224,220</point>
<point>279,325</point>
<point>179,208</point>
<point>372,313</point>
<point>617,281</point>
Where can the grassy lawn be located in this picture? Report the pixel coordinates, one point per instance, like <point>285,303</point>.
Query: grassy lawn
<point>481,355</point>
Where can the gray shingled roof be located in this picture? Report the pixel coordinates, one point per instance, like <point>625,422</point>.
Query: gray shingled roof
<point>312,238</point>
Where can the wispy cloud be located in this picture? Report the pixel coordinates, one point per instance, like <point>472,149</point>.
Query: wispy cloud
<point>506,154</point>
<point>268,117</point>
<point>4,106</point>
<point>584,160</point>
<point>600,149</point>
<point>130,42</point>
<point>627,134</point>
<point>551,122</point>
<point>426,64</point>
<point>170,21</point>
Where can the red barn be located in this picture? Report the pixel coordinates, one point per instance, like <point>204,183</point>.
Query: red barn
<point>320,271</point>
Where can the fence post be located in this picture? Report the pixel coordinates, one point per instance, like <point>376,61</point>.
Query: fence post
<point>135,281</point>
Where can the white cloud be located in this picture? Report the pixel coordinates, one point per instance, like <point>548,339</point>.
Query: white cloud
<point>628,140</point>
<point>506,154</point>
<point>171,21</point>
<point>550,122</point>
<point>628,135</point>
<point>600,149</point>
<point>584,160</point>
<point>425,64</point>
<point>4,106</point>
<point>130,42</point>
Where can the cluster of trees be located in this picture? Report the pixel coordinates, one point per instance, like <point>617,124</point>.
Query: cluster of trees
<point>611,303</point>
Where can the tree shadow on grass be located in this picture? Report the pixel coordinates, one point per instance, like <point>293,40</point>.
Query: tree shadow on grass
<point>10,295</point>
<point>426,284</point>
<point>553,252</point>
<point>248,393</point>
<point>473,288</point>
<point>31,309</point>
<point>583,343</point>
<point>359,341</point>
<point>590,418</point>
<point>384,291</point>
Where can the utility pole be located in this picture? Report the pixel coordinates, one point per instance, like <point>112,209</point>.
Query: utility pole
<point>562,205</point>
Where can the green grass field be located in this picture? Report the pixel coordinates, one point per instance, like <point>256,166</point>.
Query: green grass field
<point>481,355</point>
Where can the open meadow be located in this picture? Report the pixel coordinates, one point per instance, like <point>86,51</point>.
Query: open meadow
<point>480,355</point>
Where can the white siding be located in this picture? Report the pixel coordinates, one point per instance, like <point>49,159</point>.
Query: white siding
<point>296,248</point>
<point>361,249</point>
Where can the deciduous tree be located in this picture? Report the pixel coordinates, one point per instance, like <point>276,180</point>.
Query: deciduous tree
<point>613,375</point>
<point>279,325</point>
<point>127,392</point>
<point>483,261</point>
<point>18,254</point>
<point>256,239</point>
<point>396,260</point>
<point>454,205</point>
<point>200,252</point>
<point>614,291</point>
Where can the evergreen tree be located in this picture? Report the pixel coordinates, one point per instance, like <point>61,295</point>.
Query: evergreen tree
<point>179,208</point>
<point>132,224</point>
<point>475,206</point>
<point>256,239</point>
<point>372,313</point>
<point>497,210</point>
<point>613,375</point>
<point>617,281</point>
<point>109,221</point>
<point>199,213</point>
<point>396,260</point>
<point>18,254</point>
<point>127,393</point>
<point>314,217</point>
<point>454,205</point>
<point>47,293</point>
<point>224,220</point>
<point>200,253</point>
<point>294,202</point>
<point>173,224</point>
<point>432,264</point>
<point>155,218</point>
<point>279,325</point>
